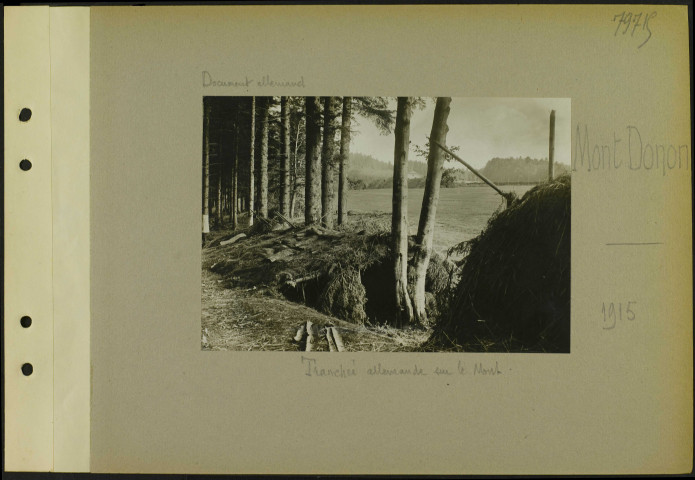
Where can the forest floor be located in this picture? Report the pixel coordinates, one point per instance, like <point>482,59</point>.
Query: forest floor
<point>241,319</point>
<point>248,314</point>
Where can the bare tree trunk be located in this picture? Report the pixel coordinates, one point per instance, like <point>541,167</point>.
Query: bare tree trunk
<point>263,171</point>
<point>551,147</point>
<point>312,186</point>
<point>423,242</point>
<point>206,170</point>
<point>235,179</point>
<point>252,165</point>
<point>399,214</point>
<point>219,198</point>
<point>295,169</point>
<point>328,165</point>
<point>344,159</point>
<point>285,156</point>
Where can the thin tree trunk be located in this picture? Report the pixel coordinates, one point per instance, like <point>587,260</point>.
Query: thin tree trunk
<point>312,186</point>
<point>285,156</point>
<point>551,147</point>
<point>295,168</point>
<point>219,198</point>
<point>235,180</point>
<point>263,171</point>
<point>206,170</point>
<point>344,159</point>
<point>423,242</point>
<point>252,165</point>
<point>328,165</point>
<point>399,215</point>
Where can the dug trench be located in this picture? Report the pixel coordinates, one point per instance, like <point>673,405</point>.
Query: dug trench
<point>343,274</point>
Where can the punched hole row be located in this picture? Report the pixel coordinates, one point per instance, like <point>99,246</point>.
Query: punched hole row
<point>25,165</point>
<point>27,368</point>
<point>25,116</point>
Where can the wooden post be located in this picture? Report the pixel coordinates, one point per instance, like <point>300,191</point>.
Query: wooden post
<point>551,148</point>
<point>340,346</point>
<point>311,331</point>
<point>331,342</point>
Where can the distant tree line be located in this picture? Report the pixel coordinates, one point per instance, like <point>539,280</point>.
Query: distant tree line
<point>520,169</point>
<point>366,172</point>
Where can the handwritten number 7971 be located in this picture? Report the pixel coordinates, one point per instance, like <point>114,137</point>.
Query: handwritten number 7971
<point>636,21</point>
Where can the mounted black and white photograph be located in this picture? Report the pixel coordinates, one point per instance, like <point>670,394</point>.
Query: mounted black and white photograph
<point>386,224</point>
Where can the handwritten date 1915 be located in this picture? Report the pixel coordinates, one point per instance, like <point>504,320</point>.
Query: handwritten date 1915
<point>631,22</point>
<point>613,313</point>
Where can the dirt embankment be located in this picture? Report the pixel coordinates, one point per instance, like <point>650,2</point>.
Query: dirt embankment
<point>260,286</point>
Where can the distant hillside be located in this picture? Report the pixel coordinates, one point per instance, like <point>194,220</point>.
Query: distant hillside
<point>517,170</point>
<point>367,172</point>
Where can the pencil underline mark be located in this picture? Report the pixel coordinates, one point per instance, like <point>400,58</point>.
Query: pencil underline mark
<point>633,243</point>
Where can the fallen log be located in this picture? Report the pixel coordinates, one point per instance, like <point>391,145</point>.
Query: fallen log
<point>280,227</point>
<point>331,234</point>
<point>264,221</point>
<point>288,252</point>
<point>294,283</point>
<point>285,219</point>
<point>338,339</point>
<point>234,239</point>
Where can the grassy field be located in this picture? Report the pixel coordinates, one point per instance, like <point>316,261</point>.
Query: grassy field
<point>462,212</point>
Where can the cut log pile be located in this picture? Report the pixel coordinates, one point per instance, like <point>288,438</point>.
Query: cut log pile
<point>309,336</point>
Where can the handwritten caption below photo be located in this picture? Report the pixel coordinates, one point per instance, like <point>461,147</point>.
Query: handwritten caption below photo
<point>316,367</point>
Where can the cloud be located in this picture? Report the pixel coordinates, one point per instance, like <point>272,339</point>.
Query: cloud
<point>483,128</point>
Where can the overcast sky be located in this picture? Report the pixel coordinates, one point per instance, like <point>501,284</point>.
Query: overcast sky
<point>483,128</point>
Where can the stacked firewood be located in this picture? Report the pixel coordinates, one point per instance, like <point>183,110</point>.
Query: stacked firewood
<point>309,335</point>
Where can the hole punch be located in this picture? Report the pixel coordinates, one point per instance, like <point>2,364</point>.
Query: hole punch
<point>25,321</point>
<point>27,369</point>
<point>25,165</point>
<point>25,115</point>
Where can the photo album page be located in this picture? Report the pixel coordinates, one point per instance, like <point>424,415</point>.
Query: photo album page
<point>484,211</point>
